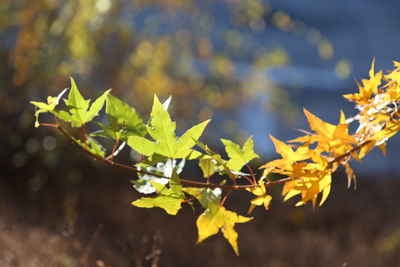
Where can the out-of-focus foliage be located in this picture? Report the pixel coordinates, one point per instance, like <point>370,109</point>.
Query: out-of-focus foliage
<point>190,49</point>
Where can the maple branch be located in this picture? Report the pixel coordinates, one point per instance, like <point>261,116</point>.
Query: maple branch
<point>190,182</point>
<point>252,173</point>
<point>111,156</point>
<point>134,169</point>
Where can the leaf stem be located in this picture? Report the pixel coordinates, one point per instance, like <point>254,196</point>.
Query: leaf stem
<point>226,197</point>
<point>248,179</point>
<point>252,173</point>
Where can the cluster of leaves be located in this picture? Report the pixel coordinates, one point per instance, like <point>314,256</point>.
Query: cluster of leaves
<point>307,162</point>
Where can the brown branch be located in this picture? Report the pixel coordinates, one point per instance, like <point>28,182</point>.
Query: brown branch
<point>182,180</point>
<point>252,173</point>
<point>190,182</point>
<point>348,153</point>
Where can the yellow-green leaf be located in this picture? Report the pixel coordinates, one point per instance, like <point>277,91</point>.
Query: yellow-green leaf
<point>162,130</point>
<point>123,119</point>
<point>239,156</point>
<point>170,199</point>
<point>79,107</point>
<point>218,218</point>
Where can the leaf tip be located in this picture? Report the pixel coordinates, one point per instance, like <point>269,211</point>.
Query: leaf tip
<point>73,84</point>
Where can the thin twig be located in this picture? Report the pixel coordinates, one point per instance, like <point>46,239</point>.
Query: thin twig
<point>252,173</point>
<point>226,197</point>
<point>248,179</point>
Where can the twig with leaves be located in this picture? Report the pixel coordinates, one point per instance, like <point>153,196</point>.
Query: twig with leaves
<point>307,162</point>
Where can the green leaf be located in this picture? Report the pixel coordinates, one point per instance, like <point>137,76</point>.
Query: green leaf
<point>121,116</point>
<point>96,106</point>
<point>79,107</point>
<point>95,147</point>
<point>220,164</point>
<point>170,204</point>
<point>142,145</point>
<point>162,130</point>
<point>106,132</point>
<point>239,156</point>
<point>188,140</point>
<point>216,217</point>
<point>92,146</point>
<point>206,197</point>
<point>52,102</point>
<point>170,199</point>
<point>76,104</point>
<point>207,166</point>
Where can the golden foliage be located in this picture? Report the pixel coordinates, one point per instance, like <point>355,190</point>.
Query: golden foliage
<point>318,154</point>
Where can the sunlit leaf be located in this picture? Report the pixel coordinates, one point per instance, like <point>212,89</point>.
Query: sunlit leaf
<point>162,130</point>
<point>239,156</point>
<point>368,87</point>
<point>79,107</point>
<point>216,217</point>
<point>220,164</point>
<point>207,166</point>
<point>169,199</point>
<point>262,197</point>
<point>121,116</point>
<point>50,106</point>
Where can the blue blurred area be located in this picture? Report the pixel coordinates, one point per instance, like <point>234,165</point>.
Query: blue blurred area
<point>358,31</point>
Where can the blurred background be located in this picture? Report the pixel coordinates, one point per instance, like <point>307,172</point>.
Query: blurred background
<point>250,65</point>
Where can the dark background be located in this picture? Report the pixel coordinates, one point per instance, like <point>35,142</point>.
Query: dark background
<point>250,65</point>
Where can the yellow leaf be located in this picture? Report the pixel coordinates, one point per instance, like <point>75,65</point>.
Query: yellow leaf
<point>261,199</point>
<point>217,217</point>
<point>287,152</point>
<point>342,133</point>
<point>317,157</point>
<point>367,88</point>
<point>365,149</point>
<point>393,77</point>
<point>302,139</point>
<point>391,129</point>
<point>325,184</point>
<point>312,181</point>
<point>382,147</point>
<point>322,128</point>
<point>351,177</point>
<point>287,187</point>
<point>342,117</point>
